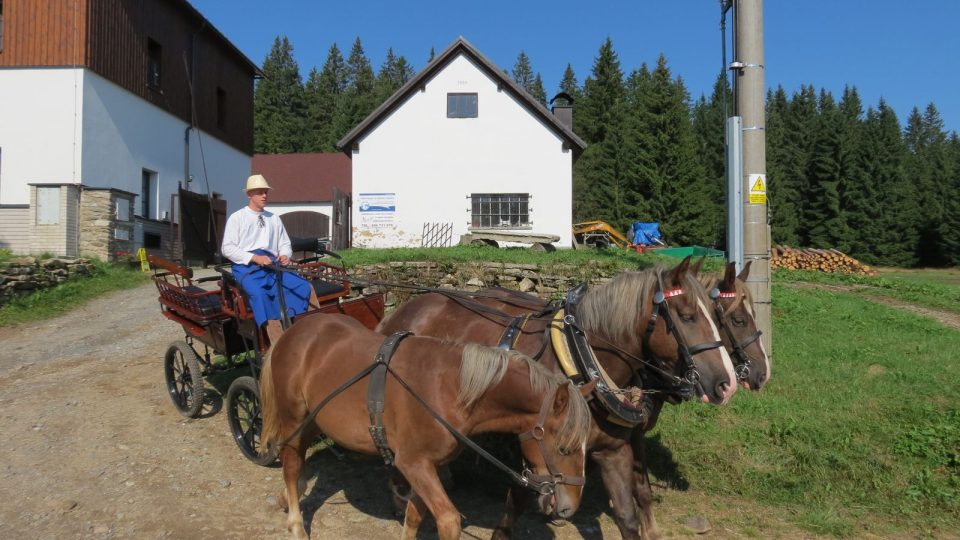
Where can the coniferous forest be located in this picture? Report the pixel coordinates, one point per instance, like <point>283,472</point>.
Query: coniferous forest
<point>841,174</point>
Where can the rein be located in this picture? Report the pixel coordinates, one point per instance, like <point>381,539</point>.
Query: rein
<point>741,357</point>
<point>545,485</point>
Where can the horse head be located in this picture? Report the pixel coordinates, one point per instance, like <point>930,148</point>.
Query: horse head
<point>554,450</point>
<point>738,327</point>
<point>681,335</point>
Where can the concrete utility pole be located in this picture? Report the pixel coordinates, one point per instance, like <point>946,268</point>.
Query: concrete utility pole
<point>751,96</point>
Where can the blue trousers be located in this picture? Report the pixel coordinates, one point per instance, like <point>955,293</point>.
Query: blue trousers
<point>260,285</point>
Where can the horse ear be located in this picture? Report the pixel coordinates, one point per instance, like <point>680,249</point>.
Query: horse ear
<point>730,274</point>
<point>695,268</point>
<point>586,389</point>
<point>680,269</point>
<point>745,272</point>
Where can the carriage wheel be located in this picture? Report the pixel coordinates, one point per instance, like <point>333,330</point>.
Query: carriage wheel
<point>181,367</point>
<point>246,420</point>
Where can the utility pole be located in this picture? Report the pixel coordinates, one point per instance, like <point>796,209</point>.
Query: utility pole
<point>751,97</point>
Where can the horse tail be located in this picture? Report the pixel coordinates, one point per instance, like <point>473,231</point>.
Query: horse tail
<point>270,432</point>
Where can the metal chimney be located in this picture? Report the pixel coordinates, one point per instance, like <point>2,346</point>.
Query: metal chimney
<point>562,107</point>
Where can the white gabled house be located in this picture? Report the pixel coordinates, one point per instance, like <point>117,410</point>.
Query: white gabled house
<point>461,145</point>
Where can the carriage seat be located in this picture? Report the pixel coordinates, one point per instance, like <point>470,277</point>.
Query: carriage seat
<point>325,288</point>
<point>206,305</point>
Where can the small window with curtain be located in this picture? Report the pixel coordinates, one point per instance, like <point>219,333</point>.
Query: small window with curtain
<point>154,65</point>
<point>500,210</point>
<point>461,105</point>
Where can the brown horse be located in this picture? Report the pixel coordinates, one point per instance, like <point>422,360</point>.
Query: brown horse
<point>473,389</point>
<point>733,312</point>
<point>615,317</point>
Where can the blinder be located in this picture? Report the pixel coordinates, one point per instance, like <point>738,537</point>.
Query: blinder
<point>741,358</point>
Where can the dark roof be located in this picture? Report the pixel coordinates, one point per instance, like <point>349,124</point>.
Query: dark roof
<point>303,178</point>
<point>204,23</point>
<point>459,46</point>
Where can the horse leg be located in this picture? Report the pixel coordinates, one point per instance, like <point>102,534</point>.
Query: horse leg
<point>516,503</point>
<point>428,492</point>
<point>616,470</point>
<point>413,516</point>
<point>641,487</point>
<point>292,459</point>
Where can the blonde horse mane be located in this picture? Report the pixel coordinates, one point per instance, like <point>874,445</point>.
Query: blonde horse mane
<point>484,367</point>
<point>615,309</point>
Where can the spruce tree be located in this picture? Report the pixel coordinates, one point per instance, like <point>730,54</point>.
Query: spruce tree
<point>709,125</point>
<point>522,73</point>
<point>827,228</point>
<point>950,227</point>
<point>278,103</point>
<point>323,94</point>
<point>858,195</point>
<point>929,168</point>
<point>801,130</point>
<point>394,72</point>
<point>894,238</point>
<point>359,99</point>
<point>783,178</point>
<point>537,91</point>
<point>569,84</point>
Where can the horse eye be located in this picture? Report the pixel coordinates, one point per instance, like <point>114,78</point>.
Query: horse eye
<point>687,317</point>
<point>739,321</point>
<point>564,451</point>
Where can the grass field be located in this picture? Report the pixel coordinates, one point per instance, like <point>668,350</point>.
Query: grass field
<point>858,431</point>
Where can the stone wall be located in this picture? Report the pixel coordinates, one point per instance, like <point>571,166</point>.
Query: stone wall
<point>23,275</point>
<point>549,281</point>
<point>106,227</point>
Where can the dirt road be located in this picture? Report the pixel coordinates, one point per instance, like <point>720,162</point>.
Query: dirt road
<point>92,448</point>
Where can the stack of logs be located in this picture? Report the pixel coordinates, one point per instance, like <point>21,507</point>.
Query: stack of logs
<point>823,260</point>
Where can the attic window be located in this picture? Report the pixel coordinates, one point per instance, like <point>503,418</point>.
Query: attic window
<point>153,63</point>
<point>462,105</point>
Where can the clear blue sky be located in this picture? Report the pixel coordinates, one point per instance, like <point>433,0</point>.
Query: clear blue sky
<point>905,52</point>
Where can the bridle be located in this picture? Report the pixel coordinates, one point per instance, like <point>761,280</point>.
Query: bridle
<point>741,358</point>
<point>690,382</point>
<point>545,484</point>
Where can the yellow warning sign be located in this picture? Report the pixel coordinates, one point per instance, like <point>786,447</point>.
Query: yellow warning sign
<point>758,189</point>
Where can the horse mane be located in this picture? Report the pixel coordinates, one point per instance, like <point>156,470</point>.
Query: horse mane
<point>615,309</point>
<point>483,367</point>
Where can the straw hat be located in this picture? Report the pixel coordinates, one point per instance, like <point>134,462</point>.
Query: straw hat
<point>256,181</point>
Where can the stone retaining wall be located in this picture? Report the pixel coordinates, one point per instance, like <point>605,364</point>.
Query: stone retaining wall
<point>23,275</point>
<point>546,281</point>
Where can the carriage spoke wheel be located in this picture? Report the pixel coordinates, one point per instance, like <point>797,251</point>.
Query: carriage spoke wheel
<point>181,367</point>
<point>246,421</point>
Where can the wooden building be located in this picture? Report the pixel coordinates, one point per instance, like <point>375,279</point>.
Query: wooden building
<point>132,99</point>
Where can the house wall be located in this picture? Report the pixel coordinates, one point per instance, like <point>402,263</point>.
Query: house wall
<point>104,233</point>
<point>40,129</point>
<point>282,208</point>
<point>122,135</point>
<point>44,33</point>
<point>15,228</point>
<point>59,238</point>
<point>433,163</point>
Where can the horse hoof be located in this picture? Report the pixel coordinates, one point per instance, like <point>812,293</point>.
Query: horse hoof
<point>559,522</point>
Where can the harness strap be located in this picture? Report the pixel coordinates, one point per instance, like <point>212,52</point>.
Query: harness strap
<point>536,433</point>
<point>517,477</point>
<point>510,334</point>
<point>376,391</point>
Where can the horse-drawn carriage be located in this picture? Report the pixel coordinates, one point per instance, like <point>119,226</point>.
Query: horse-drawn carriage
<point>220,334</point>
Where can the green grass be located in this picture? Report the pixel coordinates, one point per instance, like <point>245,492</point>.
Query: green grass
<point>929,288</point>
<point>57,300</point>
<point>858,430</point>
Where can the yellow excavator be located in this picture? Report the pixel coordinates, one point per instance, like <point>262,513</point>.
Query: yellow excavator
<point>597,234</point>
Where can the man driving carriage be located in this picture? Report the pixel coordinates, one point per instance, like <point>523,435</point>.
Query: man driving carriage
<point>255,238</point>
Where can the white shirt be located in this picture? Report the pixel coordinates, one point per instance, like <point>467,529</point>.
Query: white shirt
<point>243,234</point>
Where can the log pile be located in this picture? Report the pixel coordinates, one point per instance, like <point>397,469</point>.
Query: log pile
<point>822,260</point>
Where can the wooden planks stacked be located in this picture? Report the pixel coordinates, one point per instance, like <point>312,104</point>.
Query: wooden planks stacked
<point>822,260</point>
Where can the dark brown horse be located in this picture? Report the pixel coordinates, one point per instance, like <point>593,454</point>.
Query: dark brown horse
<point>474,389</point>
<point>615,317</point>
<point>733,311</point>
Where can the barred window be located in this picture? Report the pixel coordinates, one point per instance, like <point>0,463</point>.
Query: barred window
<point>500,210</point>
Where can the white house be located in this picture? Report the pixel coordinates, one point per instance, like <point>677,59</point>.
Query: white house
<point>107,107</point>
<point>460,144</point>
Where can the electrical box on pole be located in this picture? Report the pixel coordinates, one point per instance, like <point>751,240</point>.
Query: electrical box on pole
<point>734,144</point>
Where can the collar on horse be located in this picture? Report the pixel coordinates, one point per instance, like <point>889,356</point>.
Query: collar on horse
<point>741,358</point>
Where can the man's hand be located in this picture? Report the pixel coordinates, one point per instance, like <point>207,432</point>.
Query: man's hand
<point>261,260</point>
<point>284,260</point>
